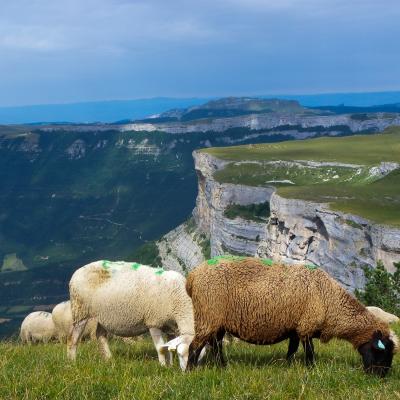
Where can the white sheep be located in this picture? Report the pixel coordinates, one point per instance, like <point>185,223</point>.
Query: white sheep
<point>62,318</point>
<point>129,299</point>
<point>37,327</point>
<point>383,315</point>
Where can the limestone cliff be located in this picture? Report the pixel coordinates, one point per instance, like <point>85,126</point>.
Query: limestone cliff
<point>298,126</point>
<point>296,231</point>
<point>375,122</point>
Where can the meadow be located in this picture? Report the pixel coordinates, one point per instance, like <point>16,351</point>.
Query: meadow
<point>253,372</point>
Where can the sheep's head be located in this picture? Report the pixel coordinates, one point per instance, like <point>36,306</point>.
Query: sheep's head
<point>377,353</point>
<point>181,345</point>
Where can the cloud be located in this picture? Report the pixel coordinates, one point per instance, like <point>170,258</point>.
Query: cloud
<point>54,50</point>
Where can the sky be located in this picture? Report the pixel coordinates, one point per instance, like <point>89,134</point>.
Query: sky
<point>54,51</point>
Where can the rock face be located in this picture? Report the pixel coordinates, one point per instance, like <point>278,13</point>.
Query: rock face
<point>235,236</point>
<point>183,248</point>
<point>303,231</point>
<point>299,126</point>
<point>77,150</point>
<point>376,122</point>
<point>297,231</point>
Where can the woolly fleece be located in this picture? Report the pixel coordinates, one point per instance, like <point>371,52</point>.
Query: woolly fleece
<point>383,315</point>
<point>37,327</point>
<point>128,298</point>
<point>62,318</point>
<point>262,304</point>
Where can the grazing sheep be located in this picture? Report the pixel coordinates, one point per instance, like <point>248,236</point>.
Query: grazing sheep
<point>62,318</point>
<point>265,303</point>
<point>383,315</point>
<point>37,327</point>
<point>128,299</point>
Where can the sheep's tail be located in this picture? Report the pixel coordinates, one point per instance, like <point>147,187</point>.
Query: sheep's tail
<point>189,284</point>
<point>79,308</point>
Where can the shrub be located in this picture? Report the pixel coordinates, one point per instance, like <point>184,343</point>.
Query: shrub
<point>253,212</point>
<point>382,288</point>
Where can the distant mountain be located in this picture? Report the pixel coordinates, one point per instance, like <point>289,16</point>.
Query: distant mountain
<point>128,110</point>
<point>100,111</point>
<point>365,99</point>
<point>342,109</point>
<point>255,114</point>
<point>229,107</point>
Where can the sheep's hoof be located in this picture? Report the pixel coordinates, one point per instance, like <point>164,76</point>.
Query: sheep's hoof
<point>310,363</point>
<point>290,359</point>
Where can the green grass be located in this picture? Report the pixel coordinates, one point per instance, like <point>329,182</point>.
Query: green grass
<point>347,189</point>
<point>365,150</point>
<point>12,263</point>
<point>253,372</point>
<point>378,201</point>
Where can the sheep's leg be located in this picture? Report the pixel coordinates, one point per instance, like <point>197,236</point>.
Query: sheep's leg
<point>308,350</point>
<point>164,355</point>
<point>294,342</point>
<point>74,337</point>
<point>216,346</point>
<point>101,335</point>
<point>195,349</point>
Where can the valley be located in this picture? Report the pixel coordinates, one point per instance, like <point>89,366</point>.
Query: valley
<point>70,194</point>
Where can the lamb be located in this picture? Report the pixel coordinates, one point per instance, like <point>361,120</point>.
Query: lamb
<point>383,315</point>
<point>62,318</point>
<point>264,303</point>
<point>128,299</point>
<point>38,327</point>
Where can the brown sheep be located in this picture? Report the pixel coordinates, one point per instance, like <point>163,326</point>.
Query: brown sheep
<point>265,303</point>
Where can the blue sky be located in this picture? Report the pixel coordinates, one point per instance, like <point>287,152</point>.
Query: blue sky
<point>54,51</point>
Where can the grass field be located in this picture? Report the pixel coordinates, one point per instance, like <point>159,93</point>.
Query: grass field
<point>254,372</point>
<point>357,149</point>
<point>349,189</point>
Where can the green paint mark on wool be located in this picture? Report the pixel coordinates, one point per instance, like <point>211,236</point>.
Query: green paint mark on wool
<point>267,261</point>
<point>159,271</point>
<point>311,267</point>
<point>215,260</point>
<point>135,266</point>
<point>112,264</point>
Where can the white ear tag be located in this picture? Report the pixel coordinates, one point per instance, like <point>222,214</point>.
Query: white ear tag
<point>381,345</point>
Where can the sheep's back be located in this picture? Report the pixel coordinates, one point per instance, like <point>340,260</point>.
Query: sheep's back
<point>122,295</point>
<point>38,326</point>
<point>252,299</point>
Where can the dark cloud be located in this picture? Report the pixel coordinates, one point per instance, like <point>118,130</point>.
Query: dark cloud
<point>59,51</point>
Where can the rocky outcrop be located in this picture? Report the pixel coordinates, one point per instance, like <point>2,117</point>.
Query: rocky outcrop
<point>301,231</point>
<point>183,248</point>
<point>297,231</point>
<point>77,150</point>
<point>235,236</point>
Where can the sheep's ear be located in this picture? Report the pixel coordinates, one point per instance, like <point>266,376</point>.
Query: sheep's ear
<point>173,344</point>
<point>377,343</point>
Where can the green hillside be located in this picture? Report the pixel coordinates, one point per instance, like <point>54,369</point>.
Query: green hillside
<point>67,198</point>
<point>354,189</point>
